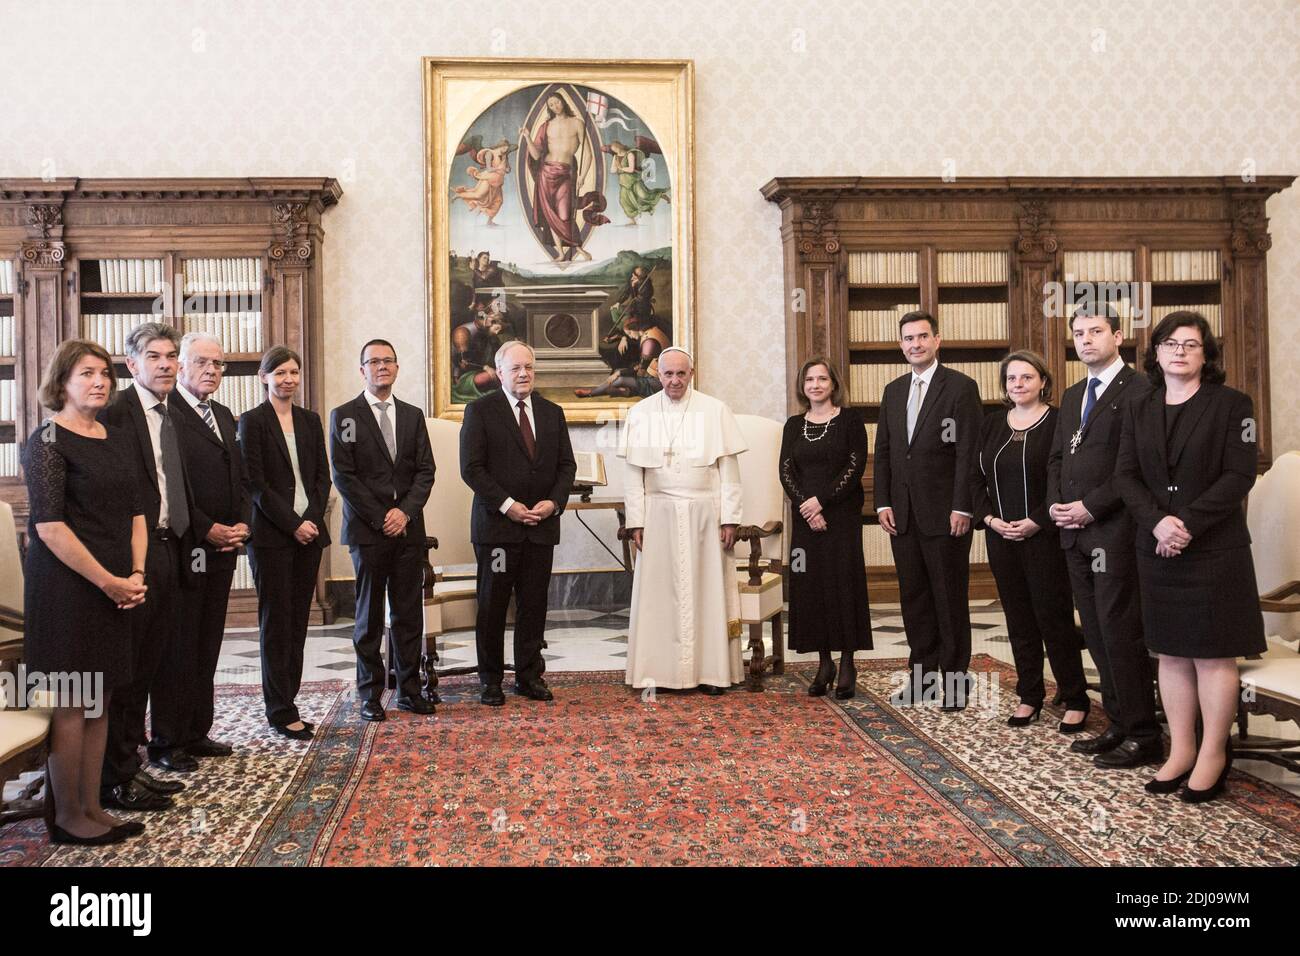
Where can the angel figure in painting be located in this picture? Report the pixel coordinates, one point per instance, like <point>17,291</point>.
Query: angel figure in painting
<point>486,195</point>
<point>628,162</point>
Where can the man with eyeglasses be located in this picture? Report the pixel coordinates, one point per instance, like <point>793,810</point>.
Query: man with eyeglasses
<point>383,469</point>
<point>183,704</point>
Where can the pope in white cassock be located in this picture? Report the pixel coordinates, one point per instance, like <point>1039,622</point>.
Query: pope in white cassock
<point>683,507</point>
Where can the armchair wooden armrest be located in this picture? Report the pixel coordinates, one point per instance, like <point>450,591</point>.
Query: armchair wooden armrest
<point>755,534</point>
<point>1276,601</point>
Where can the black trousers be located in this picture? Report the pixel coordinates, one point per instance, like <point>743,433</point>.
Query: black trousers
<point>183,696</point>
<point>285,580</point>
<point>933,585</point>
<point>1111,612</point>
<point>1034,585</point>
<point>395,568</point>
<point>154,627</point>
<point>523,570</point>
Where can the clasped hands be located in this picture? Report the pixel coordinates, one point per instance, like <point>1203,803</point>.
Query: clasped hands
<point>228,537</point>
<point>811,510</point>
<point>1072,515</point>
<point>1020,530</point>
<point>1172,536</point>
<point>531,516</point>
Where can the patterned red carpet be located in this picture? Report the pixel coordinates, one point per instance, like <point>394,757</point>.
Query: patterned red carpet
<point>603,777</point>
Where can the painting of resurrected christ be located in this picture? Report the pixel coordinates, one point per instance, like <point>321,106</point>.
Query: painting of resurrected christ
<point>557,222</point>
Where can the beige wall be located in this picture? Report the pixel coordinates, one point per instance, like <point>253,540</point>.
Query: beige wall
<point>1023,87</point>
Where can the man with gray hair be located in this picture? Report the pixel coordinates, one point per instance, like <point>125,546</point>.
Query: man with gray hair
<point>182,703</point>
<point>516,456</point>
<point>143,411</point>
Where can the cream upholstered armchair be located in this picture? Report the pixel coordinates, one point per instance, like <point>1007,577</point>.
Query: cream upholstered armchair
<point>766,517</point>
<point>1271,682</point>
<point>449,602</point>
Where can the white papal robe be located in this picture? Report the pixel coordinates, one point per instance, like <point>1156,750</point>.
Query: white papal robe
<point>682,484</point>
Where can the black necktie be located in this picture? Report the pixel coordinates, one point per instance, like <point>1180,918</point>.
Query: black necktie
<point>178,507</point>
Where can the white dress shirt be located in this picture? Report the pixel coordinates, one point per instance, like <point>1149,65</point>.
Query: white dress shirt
<point>532,423</point>
<point>1107,375</point>
<point>149,401</point>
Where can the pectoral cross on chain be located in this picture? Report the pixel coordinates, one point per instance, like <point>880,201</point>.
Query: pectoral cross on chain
<point>1076,439</point>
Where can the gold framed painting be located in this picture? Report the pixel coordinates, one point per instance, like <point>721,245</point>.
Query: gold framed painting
<point>559,210</point>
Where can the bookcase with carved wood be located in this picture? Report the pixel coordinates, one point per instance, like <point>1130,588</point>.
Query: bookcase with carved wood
<point>998,261</point>
<point>92,258</point>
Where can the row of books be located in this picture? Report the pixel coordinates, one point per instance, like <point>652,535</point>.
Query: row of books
<point>111,329</point>
<point>877,325</point>
<point>969,268</point>
<point>972,321</point>
<point>882,268</point>
<point>880,554</point>
<point>1213,314</point>
<point>143,276</point>
<point>243,579</point>
<point>223,275</point>
<point>6,277</point>
<point>239,393</point>
<point>867,381</point>
<point>1100,265</point>
<point>1191,266</point>
<point>9,460</point>
<point>238,331</point>
<point>1075,371</point>
<point>7,329</point>
<point>8,403</point>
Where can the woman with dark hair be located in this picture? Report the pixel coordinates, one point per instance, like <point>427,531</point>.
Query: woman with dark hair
<point>85,554</point>
<point>1186,463</point>
<point>823,456</point>
<point>1010,498</point>
<point>284,448</point>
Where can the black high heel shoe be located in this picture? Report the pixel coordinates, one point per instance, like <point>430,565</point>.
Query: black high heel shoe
<point>1064,728</point>
<point>1166,786</point>
<point>1191,795</point>
<point>62,836</point>
<point>847,686</point>
<point>825,674</point>
<point>1014,721</point>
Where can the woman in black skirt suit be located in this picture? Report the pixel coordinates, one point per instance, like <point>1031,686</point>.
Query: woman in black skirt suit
<point>823,456</point>
<point>86,548</point>
<point>1010,499</point>
<point>288,475</point>
<point>1186,464</point>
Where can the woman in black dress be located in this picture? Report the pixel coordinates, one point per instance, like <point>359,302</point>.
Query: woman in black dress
<point>1186,463</point>
<point>1024,545</point>
<point>823,456</point>
<point>288,475</point>
<point>86,546</point>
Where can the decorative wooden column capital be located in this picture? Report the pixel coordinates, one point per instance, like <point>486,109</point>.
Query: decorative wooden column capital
<point>42,253</point>
<point>818,241</point>
<point>291,216</point>
<point>1035,239</point>
<point>1250,228</point>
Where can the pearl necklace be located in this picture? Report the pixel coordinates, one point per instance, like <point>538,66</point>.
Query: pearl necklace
<point>824,426</point>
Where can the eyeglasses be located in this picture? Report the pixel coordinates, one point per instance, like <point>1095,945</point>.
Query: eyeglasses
<point>1173,345</point>
<point>380,362</point>
<point>216,364</point>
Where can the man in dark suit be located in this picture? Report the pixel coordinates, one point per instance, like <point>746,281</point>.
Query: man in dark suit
<point>383,468</point>
<point>144,411</point>
<point>1097,535</point>
<point>515,455</point>
<point>183,702</point>
<point>926,445</point>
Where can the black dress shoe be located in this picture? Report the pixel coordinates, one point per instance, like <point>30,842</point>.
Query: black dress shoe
<point>415,705</point>
<point>1131,753</point>
<point>492,695</point>
<point>163,788</point>
<point>825,674</point>
<point>1014,721</point>
<point>1064,728</point>
<point>283,731</point>
<point>847,685</point>
<point>129,828</point>
<point>132,796</point>
<point>711,690</point>
<point>534,690</point>
<point>1166,786</point>
<point>177,761</point>
<point>60,835</point>
<point>1189,795</point>
<point>371,710</point>
<point>207,747</point>
<point>1109,739</point>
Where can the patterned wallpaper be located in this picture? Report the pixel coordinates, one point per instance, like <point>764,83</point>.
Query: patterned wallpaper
<point>325,87</point>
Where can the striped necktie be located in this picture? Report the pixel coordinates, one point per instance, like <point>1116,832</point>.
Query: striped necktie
<point>206,411</point>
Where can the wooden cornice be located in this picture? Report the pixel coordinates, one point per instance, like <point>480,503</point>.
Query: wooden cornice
<point>783,189</point>
<point>321,190</point>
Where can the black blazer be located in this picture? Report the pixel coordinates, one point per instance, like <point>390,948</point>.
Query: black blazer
<point>217,473</point>
<point>126,412</point>
<point>270,475</point>
<point>1203,477</point>
<point>494,464</point>
<point>927,480</point>
<point>1088,474</point>
<point>986,491</point>
<point>369,481</point>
